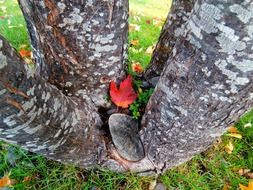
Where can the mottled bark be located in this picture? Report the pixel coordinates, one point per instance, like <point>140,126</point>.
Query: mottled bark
<point>206,85</point>
<point>40,118</point>
<point>79,46</point>
<point>171,31</point>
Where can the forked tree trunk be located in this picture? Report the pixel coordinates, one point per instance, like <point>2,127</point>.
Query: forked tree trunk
<point>79,46</point>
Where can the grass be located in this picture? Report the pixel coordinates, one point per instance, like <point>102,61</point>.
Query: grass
<point>210,170</point>
<point>12,24</point>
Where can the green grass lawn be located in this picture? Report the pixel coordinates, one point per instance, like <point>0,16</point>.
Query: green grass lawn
<point>213,169</point>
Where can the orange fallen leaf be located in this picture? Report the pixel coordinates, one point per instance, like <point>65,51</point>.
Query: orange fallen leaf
<point>236,135</point>
<point>136,67</point>
<point>25,53</point>
<point>135,42</point>
<point>229,148</point>
<point>226,187</point>
<point>249,187</point>
<point>233,130</point>
<point>125,94</point>
<point>5,181</point>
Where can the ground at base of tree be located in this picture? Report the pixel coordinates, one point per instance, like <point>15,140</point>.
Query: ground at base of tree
<point>214,169</point>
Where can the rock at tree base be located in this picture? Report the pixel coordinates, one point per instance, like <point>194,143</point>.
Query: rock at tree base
<point>124,132</point>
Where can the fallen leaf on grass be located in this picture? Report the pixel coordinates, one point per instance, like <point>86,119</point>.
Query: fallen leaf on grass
<point>236,135</point>
<point>5,181</point>
<point>226,187</point>
<point>137,18</point>
<point>25,53</point>
<point>233,130</point>
<point>229,148</point>
<point>152,185</point>
<point>249,175</point>
<point>125,94</point>
<point>249,187</point>
<point>247,125</point>
<point>243,171</point>
<point>150,50</point>
<point>136,67</point>
<point>135,42</point>
<point>157,21</point>
<point>27,179</point>
<point>246,173</point>
<point>148,21</point>
<point>134,27</point>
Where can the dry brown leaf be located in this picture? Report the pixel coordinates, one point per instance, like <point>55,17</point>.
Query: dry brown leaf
<point>249,175</point>
<point>5,181</point>
<point>236,135</point>
<point>152,185</point>
<point>148,21</point>
<point>243,171</point>
<point>27,179</point>
<point>229,148</point>
<point>233,130</point>
<point>135,42</point>
<point>226,187</point>
<point>249,187</point>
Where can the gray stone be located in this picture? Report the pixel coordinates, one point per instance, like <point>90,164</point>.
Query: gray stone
<point>124,132</point>
<point>160,186</point>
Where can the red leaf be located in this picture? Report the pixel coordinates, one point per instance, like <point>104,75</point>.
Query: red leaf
<point>125,95</point>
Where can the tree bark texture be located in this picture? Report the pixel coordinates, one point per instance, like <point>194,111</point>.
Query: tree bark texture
<point>206,84</point>
<point>40,118</point>
<point>171,31</point>
<point>80,46</point>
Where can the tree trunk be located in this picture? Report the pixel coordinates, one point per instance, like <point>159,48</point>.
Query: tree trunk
<point>205,86</point>
<point>171,31</point>
<point>80,46</point>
